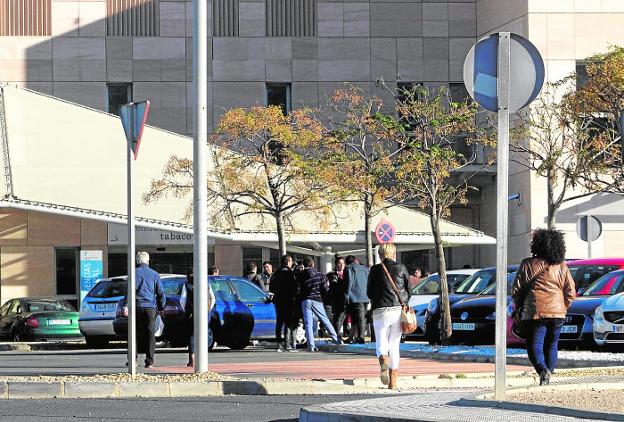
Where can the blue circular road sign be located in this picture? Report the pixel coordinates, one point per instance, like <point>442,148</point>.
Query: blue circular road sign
<point>385,232</point>
<point>526,72</point>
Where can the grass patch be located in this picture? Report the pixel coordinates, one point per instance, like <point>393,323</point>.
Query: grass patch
<point>445,376</point>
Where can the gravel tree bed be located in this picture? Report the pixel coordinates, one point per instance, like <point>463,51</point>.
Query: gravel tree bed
<point>591,398</point>
<point>122,377</point>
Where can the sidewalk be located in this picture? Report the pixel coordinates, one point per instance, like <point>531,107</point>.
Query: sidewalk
<point>427,407</point>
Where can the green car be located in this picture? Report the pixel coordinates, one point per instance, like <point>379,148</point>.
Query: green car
<point>39,318</point>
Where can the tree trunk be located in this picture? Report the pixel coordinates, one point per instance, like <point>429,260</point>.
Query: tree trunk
<point>367,231</point>
<point>281,233</point>
<point>552,208</point>
<point>445,312</point>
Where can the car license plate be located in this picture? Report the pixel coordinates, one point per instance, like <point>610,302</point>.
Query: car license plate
<point>463,326</point>
<point>569,329</point>
<point>59,322</point>
<point>618,328</point>
<point>104,306</point>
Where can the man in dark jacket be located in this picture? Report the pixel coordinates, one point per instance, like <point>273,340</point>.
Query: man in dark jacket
<point>356,278</point>
<point>284,288</point>
<point>334,300</point>
<point>150,297</point>
<point>311,283</point>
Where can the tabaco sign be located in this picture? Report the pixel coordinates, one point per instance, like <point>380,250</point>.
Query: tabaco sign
<point>118,235</point>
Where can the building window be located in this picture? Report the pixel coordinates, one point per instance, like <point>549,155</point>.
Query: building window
<point>66,260</point>
<point>581,75</point>
<point>225,18</point>
<point>291,18</point>
<point>251,255</point>
<point>25,18</point>
<point>118,95</point>
<point>278,94</point>
<point>132,18</point>
<point>458,92</point>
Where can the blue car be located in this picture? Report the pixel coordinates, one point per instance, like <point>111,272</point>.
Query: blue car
<point>470,287</point>
<point>242,312</point>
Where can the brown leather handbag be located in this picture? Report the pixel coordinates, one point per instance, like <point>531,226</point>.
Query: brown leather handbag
<point>408,316</point>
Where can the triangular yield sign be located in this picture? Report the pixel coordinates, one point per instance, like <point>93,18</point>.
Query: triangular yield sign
<point>133,118</point>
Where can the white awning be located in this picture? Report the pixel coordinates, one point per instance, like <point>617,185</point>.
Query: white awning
<point>67,159</point>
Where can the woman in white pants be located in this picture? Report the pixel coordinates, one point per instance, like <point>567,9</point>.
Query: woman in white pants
<point>386,308</point>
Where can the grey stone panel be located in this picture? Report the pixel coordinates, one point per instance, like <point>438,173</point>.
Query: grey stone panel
<point>344,70</point>
<point>168,103</point>
<point>173,70</point>
<point>462,28</point>
<point>36,70</point>
<point>227,95</point>
<point>251,19</point>
<point>119,48</point>
<point>356,20</point>
<point>396,19</point>
<point>119,70</point>
<point>79,70</point>
<point>435,28</point>
<point>411,70</point>
<point>305,48</point>
<point>383,58</point>
<point>305,94</point>
<point>305,70</point>
<point>90,94</point>
<point>172,19</point>
<point>278,48</point>
<point>279,70</point>
<point>147,70</point>
<point>92,19</point>
<point>344,49</point>
<point>189,58</point>
<point>462,19</point>
<point>410,48</point>
<point>43,87</point>
<point>330,19</point>
<point>150,48</point>
<point>234,48</point>
<point>79,48</point>
<point>435,11</point>
<point>435,59</point>
<point>458,48</point>
<point>238,70</point>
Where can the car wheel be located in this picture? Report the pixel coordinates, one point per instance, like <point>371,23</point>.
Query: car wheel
<point>237,344</point>
<point>95,342</point>
<point>211,339</point>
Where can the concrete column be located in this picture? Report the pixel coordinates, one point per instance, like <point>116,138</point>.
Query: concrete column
<point>327,260</point>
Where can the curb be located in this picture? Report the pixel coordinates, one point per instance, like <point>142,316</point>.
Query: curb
<point>485,400</point>
<point>561,363</point>
<point>94,389</point>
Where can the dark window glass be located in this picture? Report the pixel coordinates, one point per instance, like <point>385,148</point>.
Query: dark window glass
<point>108,288</point>
<point>173,286</point>
<point>248,292</point>
<point>275,259</point>
<point>458,92</point>
<point>278,95</point>
<point>48,305</point>
<point>581,75</point>
<point>221,289</point>
<point>586,274</point>
<point>66,271</point>
<point>118,95</point>
<point>252,255</point>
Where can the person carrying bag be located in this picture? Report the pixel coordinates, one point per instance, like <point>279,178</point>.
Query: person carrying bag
<point>388,291</point>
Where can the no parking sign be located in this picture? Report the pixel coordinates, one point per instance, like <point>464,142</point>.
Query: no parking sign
<point>385,232</point>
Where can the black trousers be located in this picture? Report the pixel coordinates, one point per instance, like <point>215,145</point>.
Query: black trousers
<point>336,315</point>
<point>284,325</point>
<point>146,327</point>
<point>358,320</point>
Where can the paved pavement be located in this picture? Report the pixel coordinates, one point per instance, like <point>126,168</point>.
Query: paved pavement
<point>438,406</point>
<point>252,362</point>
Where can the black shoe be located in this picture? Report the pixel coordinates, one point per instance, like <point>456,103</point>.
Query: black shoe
<point>360,341</point>
<point>545,377</point>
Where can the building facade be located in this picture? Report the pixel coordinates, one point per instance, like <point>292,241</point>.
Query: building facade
<point>294,53</point>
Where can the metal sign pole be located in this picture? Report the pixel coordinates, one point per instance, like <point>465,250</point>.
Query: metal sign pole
<point>588,228</point>
<point>131,263</point>
<point>502,187</point>
<point>200,212</point>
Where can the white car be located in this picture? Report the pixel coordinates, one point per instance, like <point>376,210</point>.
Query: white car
<point>609,318</point>
<point>97,311</point>
<point>429,289</point>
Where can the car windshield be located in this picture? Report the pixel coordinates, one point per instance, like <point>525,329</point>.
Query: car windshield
<point>608,284</point>
<point>476,282</point>
<point>584,275</point>
<point>173,286</point>
<point>48,305</point>
<point>431,284</point>
<point>108,288</point>
<point>491,290</point>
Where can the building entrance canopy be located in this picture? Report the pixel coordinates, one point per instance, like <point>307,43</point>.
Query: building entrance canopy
<point>63,158</point>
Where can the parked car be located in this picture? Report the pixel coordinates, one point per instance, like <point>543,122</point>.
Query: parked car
<point>39,318</point>
<point>97,311</point>
<point>471,286</point>
<point>608,321</point>
<point>429,289</point>
<point>242,312</point>
<point>586,271</point>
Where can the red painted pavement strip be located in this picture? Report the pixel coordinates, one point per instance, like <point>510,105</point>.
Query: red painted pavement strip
<point>340,368</point>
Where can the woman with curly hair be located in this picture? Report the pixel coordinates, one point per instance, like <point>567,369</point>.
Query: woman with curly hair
<point>542,292</point>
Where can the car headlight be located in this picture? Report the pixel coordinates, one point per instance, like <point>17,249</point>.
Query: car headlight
<point>598,313</point>
<point>433,306</point>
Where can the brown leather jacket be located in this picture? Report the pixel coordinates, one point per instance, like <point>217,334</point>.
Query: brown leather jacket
<point>550,294</point>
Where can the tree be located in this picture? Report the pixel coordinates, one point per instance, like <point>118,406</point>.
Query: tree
<point>433,127</point>
<point>561,143</point>
<point>263,161</point>
<point>363,153</point>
